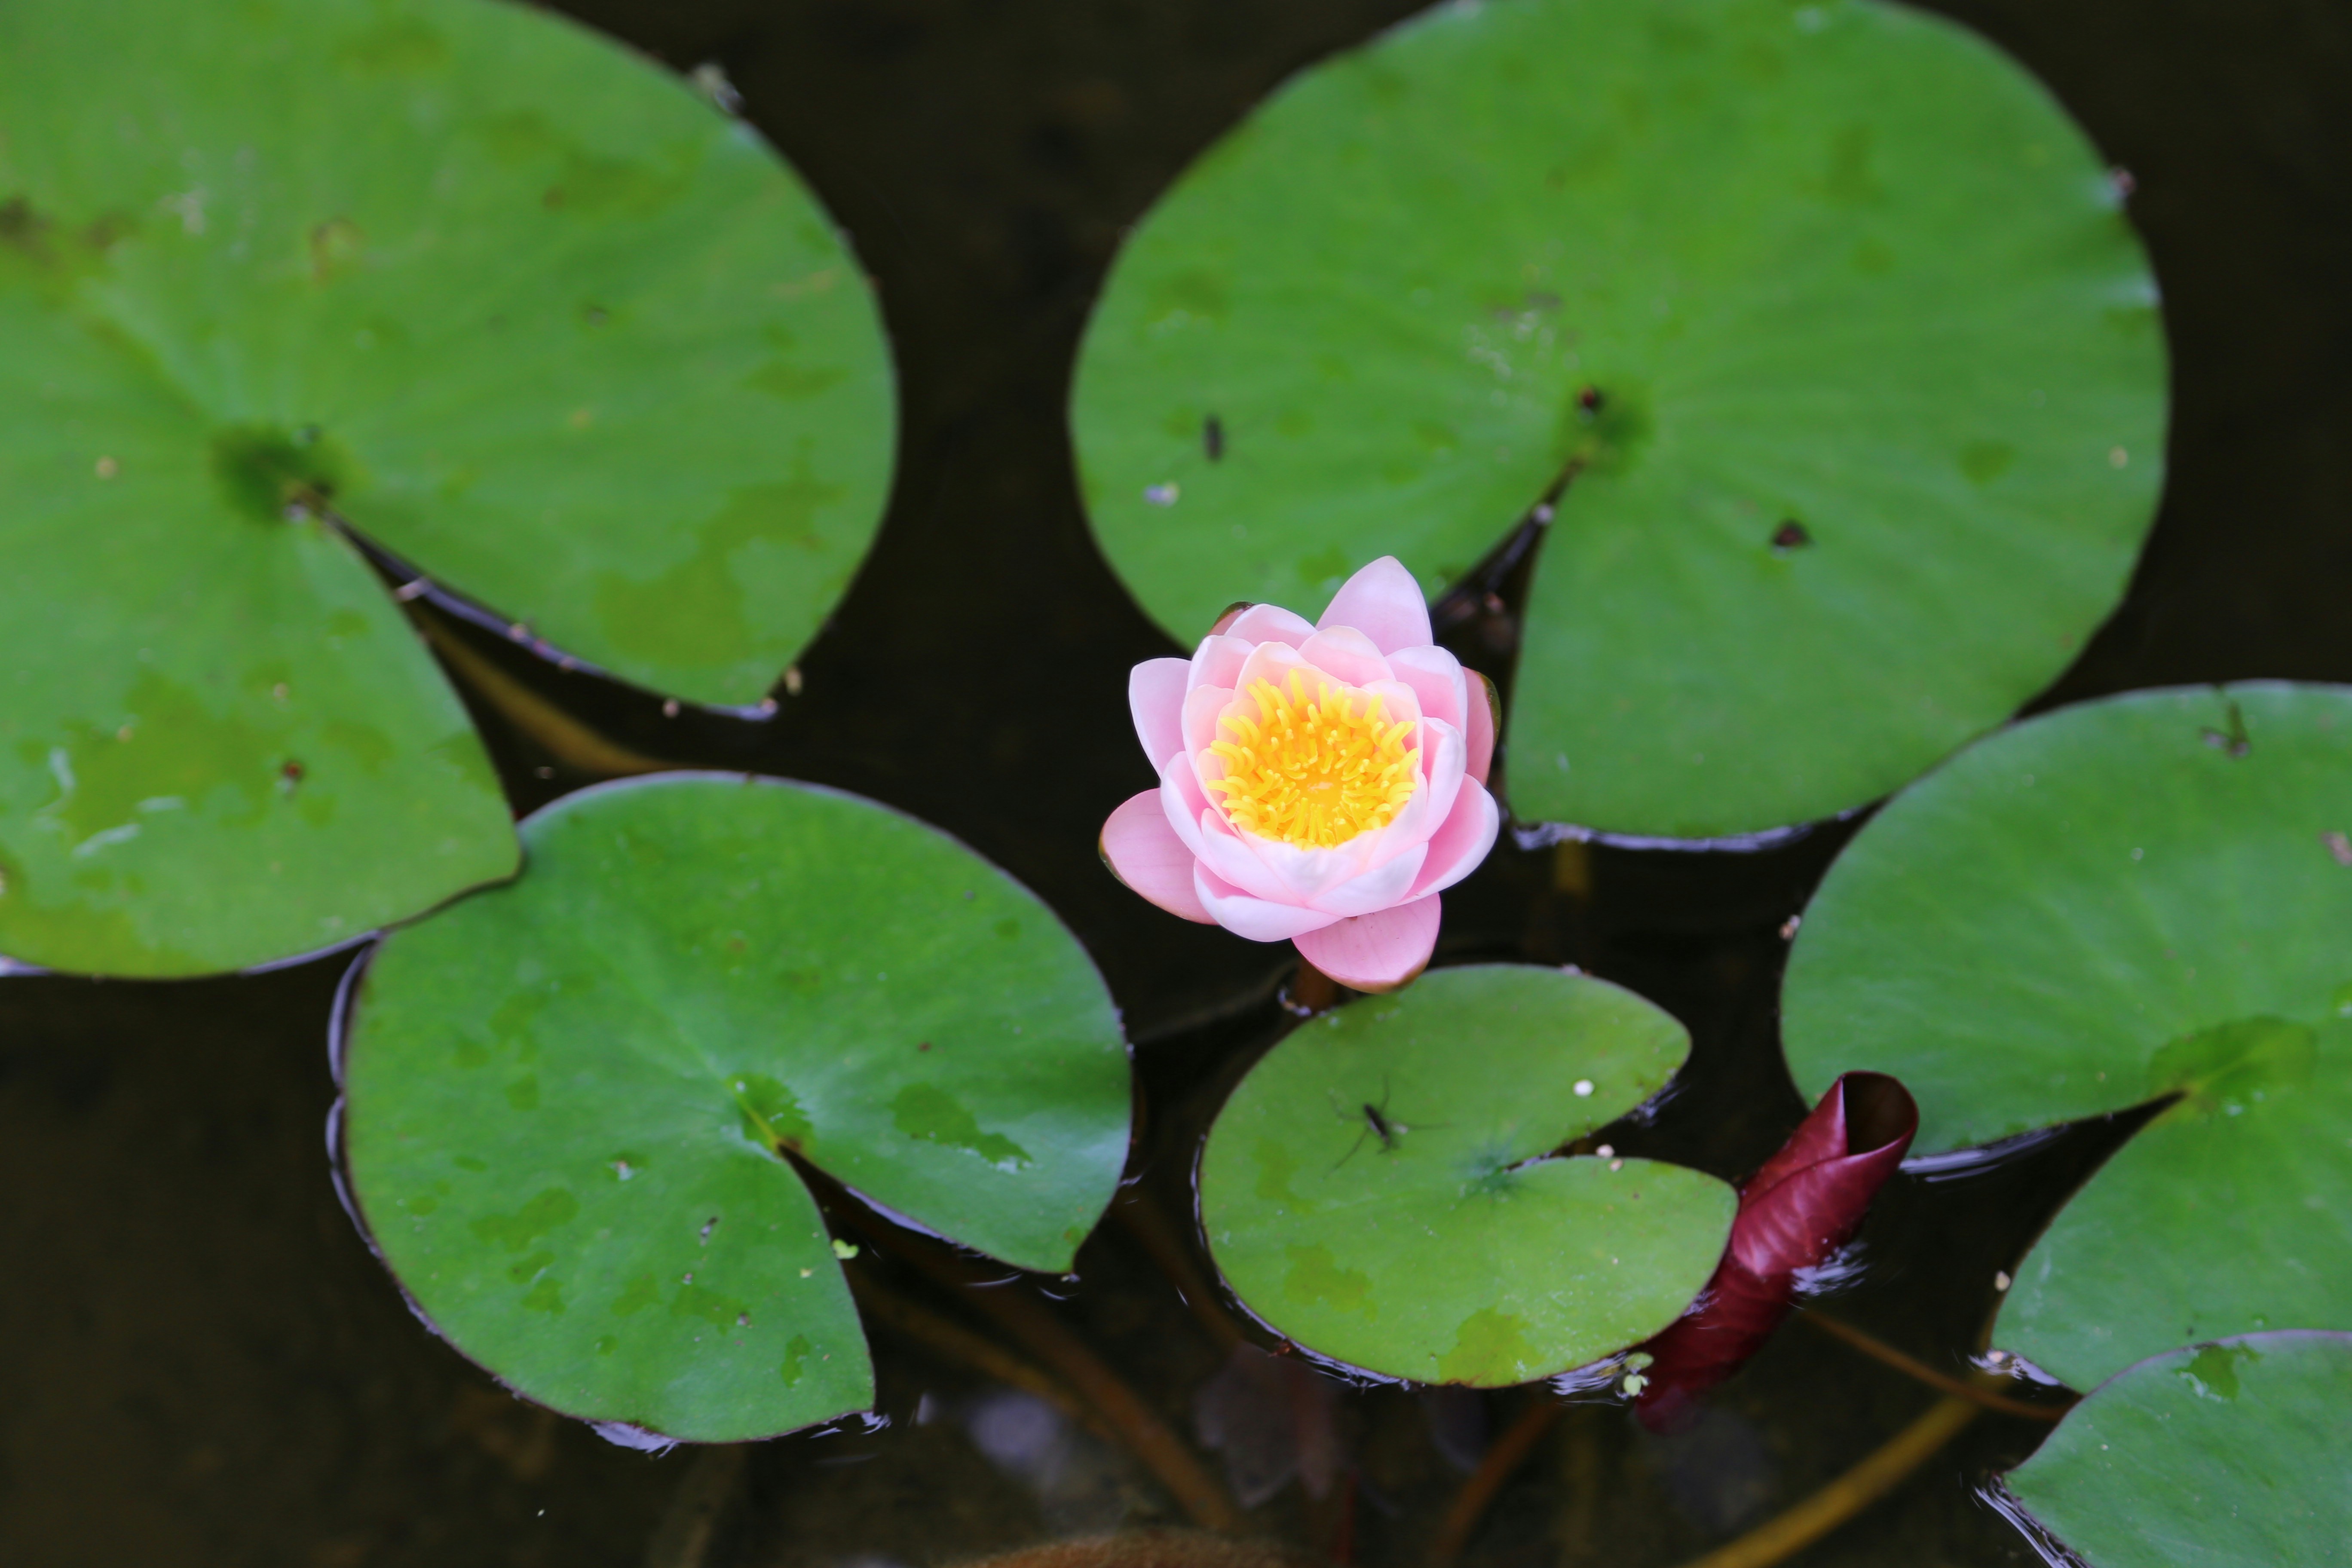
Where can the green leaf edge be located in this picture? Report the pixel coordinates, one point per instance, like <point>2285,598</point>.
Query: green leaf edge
<point>2029,1491</point>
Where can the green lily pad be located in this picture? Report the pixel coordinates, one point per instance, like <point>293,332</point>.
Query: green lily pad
<point>520,307</point>
<point>1831,309</point>
<point>1383,1188</point>
<point>2228,1456</point>
<point>2136,898</point>
<point>569,1099</point>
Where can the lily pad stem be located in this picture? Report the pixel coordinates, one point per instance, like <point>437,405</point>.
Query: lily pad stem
<point>1310,992</point>
<point>1774,1541</point>
<point>566,739</point>
<point>705,1494</point>
<point>1503,1456</point>
<point>1149,1224</point>
<point>1878,1350</point>
<point>1787,1533</point>
<point>952,1340</point>
<point>1511,1449</point>
<point>1139,1430</point>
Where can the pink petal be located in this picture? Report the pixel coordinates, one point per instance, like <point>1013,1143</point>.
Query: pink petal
<point>1456,849</point>
<point>1385,604</point>
<point>1312,876</point>
<point>1272,662</point>
<point>1480,734</point>
<point>1444,764</point>
<point>1304,873</point>
<point>1218,661</point>
<point>1412,829</point>
<point>1182,801</point>
<point>1255,919</point>
<point>1383,886</point>
<point>1227,852</point>
<point>1271,622</point>
<point>1378,952</point>
<point>1199,725</point>
<point>1345,655</point>
<point>1155,699</point>
<point>1438,679</point>
<point>1144,852</point>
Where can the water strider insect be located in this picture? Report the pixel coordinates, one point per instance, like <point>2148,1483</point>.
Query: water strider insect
<point>1378,1123</point>
<point>2236,743</point>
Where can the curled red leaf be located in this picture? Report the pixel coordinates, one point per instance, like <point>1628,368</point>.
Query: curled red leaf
<point>1806,1201</point>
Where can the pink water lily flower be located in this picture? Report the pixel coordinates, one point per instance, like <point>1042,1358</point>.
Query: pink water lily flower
<point>1317,783</point>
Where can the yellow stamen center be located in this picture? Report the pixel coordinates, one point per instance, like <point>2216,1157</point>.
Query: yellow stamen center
<point>1313,772</point>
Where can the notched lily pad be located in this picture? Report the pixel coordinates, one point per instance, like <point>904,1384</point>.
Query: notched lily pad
<point>571,1101</point>
<point>1829,310</point>
<point>514,303</point>
<point>2228,1455</point>
<point>2132,900</point>
<point>1383,1188</point>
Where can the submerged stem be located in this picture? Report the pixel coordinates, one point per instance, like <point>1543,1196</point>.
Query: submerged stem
<point>1511,1449</point>
<point>944,1337</point>
<point>1503,1456</point>
<point>1138,1428</point>
<point>1959,1388</point>
<point>1151,1229</point>
<point>710,1489</point>
<point>1789,1533</point>
<point>566,738</point>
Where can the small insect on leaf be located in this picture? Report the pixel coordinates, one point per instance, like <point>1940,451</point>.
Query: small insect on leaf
<point>1376,1124</point>
<point>2235,743</point>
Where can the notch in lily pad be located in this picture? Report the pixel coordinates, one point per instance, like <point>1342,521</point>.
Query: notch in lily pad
<point>1828,315</point>
<point>1390,1188</point>
<point>466,281</point>
<point>573,1104</point>
<point>2101,910</point>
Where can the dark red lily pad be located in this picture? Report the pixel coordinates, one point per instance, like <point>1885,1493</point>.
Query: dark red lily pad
<point>1805,1203</point>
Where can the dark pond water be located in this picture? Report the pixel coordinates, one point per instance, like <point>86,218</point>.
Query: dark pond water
<point>203,1364</point>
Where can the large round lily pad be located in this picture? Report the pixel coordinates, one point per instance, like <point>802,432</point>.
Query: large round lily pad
<point>2138,898</point>
<point>520,306</point>
<point>1830,311</point>
<point>570,1100</point>
<point>1383,1187</point>
<point>2227,1456</point>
